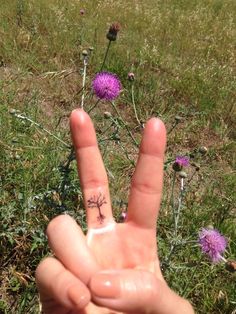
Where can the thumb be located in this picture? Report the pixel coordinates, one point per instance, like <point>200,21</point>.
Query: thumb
<point>136,291</point>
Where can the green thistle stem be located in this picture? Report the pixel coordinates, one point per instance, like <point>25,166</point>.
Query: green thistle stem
<point>180,199</point>
<point>109,127</point>
<point>106,54</point>
<point>94,106</point>
<point>83,83</point>
<point>172,200</point>
<point>191,178</point>
<point>127,155</point>
<point>134,105</point>
<point>172,128</point>
<point>176,215</point>
<point>188,282</point>
<point>223,259</point>
<point>125,125</point>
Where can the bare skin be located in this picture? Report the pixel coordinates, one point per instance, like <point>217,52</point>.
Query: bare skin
<point>97,201</point>
<point>114,268</point>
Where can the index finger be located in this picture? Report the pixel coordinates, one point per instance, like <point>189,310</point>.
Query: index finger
<point>92,173</point>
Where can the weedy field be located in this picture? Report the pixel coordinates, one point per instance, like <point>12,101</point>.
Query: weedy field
<point>183,57</point>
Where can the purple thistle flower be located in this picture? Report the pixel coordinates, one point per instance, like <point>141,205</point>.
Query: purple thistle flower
<point>212,243</point>
<point>82,11</point>
<point>183,161</point>
<point>180,162</point>
<point>123,216</point>
<point>106,86</point>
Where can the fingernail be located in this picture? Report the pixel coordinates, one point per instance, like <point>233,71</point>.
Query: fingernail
<point>104,285</point>
<point>78,298</point>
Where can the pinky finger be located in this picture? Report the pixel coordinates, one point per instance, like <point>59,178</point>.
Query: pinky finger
<point>59,289</point>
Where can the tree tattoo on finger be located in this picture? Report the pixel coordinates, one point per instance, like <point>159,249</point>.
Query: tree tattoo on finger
<point>96,201</point>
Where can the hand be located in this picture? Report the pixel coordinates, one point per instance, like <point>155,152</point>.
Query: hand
<point>115,267</point>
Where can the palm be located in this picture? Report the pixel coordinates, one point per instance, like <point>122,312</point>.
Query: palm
<point>125,246</point>
<point>109,245</point>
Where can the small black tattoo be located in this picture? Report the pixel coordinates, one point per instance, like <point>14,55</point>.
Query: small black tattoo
<point>97,201</point>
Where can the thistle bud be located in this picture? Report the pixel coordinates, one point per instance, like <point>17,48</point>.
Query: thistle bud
<point>113,30</point>
<point>82,11</point>
<point>203,150</point>
<point>107,115</point>
<point>131,76</point>
<point>210,227</point>
<point>12,111</point>
<point>123,216</point>
<point>17,157</point>
<point>231,266</point>
<point>183,174</point>
<point>84,53</point>
<point>176,166</point>
<point>81,212</point>
<point>178,119</point>
<point>116,137</point>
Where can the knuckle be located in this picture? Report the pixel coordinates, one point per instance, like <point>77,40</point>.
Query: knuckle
<point>146,187</point>
<point>42,267</point>
<point>57,222</point>
<point>91,183</point>
<point>149,287</point>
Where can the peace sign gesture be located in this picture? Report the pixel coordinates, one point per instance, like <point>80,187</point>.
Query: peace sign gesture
<point>115,267</point>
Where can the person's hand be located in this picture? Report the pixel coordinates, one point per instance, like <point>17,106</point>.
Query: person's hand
<point>115,267</point>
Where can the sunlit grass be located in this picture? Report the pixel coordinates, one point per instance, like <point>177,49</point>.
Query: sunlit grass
<point>183,56</point>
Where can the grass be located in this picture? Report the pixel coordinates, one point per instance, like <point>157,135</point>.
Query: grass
<point>183,56</point>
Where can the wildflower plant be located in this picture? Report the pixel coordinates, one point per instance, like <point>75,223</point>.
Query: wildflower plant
<point>180,162</point>
<point>213,244</point>
<point>113,31</point>
<point>131,79</point>
<point>111,36</point>
<point>106,86</point>
<point>85,63</point>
